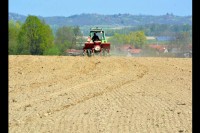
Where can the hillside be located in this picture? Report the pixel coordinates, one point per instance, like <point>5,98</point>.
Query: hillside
<point>110,20</point>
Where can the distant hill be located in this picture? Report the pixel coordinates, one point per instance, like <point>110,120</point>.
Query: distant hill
<point>109,20</point>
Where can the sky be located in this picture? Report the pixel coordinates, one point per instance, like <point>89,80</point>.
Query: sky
<point>49,8</point>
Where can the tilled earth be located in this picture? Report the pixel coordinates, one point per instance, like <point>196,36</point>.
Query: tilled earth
<point>63,94</point>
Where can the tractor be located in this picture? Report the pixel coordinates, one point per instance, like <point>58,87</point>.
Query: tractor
<point>96,47</point>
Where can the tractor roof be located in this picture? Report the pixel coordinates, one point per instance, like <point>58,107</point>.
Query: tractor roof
<point>96,29</point>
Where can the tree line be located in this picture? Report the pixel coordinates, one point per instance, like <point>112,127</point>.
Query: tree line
<point>180,35</point>
<point>35,37</point>
<point>137,39</point>
<point>153,29</point>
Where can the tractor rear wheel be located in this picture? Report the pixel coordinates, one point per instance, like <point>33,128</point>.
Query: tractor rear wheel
<point>89,52</point>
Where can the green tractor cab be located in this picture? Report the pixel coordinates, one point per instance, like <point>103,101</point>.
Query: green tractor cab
<point>100,32</point>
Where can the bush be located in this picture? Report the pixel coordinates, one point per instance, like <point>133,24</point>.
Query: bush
<point>52,51</point>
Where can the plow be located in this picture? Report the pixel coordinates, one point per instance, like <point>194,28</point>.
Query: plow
<point>96,43</point>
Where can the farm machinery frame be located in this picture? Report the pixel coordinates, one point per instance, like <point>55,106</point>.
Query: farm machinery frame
<point>96,47</point>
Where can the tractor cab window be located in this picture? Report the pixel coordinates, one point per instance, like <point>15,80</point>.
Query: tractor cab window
<point>96,37</point>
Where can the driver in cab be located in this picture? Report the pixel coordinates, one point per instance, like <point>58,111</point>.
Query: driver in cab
<point>95,38</point>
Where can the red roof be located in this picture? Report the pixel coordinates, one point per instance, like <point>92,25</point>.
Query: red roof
<point>160,48</point>
<point>125,47</point>
<point>135,51</point>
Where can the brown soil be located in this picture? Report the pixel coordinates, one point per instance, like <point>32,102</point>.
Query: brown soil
<point>62,94</point>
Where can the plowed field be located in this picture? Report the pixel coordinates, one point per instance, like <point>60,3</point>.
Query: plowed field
<point>63,94</point>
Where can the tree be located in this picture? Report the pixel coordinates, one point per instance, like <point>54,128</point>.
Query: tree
<point>48,38</point>
<point>117,39</point>
<point>139,39</point>
<point>34,37</point>
<point>52,51</point>
<point>183,39</point>
<point>66,37</point>
<point>13,32</point>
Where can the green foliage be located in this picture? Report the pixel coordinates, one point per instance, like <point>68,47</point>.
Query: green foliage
<point>117,39</point>
<point>52,51</point>
<point>34,37</point>
<point>77,31</point>
<point>151,29</point>
<point>13,32</point>
<point>182,38</point>
<point>137,39</point>
<point>66,38</point>
<point>63,35</point>
<point>47,37</point>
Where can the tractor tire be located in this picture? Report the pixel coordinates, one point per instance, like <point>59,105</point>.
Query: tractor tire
<point>89,52</point>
